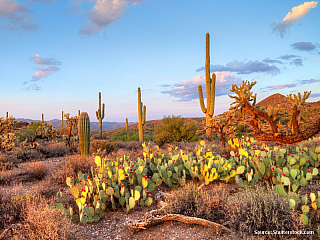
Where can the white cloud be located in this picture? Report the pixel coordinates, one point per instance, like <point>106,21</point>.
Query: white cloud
<point>44,72</point>
<point>292,17</point>
<point>188,90</point>
<point>103,13</point>
<point>16,16</point>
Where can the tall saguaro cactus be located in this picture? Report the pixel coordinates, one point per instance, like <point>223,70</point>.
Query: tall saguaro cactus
<point>210,90</point>
<point>42,118</point>
<point>100,115</point>
<point>84,133</point>
<point>62,120</point>
<point>141,115</point>
<point>126,124</point>
<point>7,115</point>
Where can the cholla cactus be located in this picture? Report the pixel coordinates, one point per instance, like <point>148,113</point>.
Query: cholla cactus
<point>7,136</point>
<point>71,122</point>
<point>242,99</point>
<point>220,124</point>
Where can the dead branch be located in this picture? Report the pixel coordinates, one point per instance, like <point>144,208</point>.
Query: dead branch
<point>147,222</point>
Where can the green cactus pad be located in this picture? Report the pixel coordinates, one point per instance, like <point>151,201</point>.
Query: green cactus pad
<point>132,203</point>
<point>318,203</point>
<point>91,211</point>
<point>74,191</point>
<point>315,172</point>
<point>59,206</point>
<point>261,168</point>
<point>176,169</point>
<point>187,165</point>
<point>280,190</point>
<point>151,187</point>
<point>292,160</point>
<point>312,197</point>
<point>303,161</point>
<point>240,170</point>
<point>293,173</point>
<point>84,219</point>
<point>101,214</point>
<point>314,156</point>
<point>294,187</point>
<point>292,204</point>
<point>155,176</point>
<point>110,191</point>
<point>303,182</point>
<point>305,209</point>
<point>122,201</point>
<point>148,201</point>
<point>169,173</point>
<point>308,176</point>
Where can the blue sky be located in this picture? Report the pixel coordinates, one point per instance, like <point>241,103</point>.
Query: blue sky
<point>57,55</point>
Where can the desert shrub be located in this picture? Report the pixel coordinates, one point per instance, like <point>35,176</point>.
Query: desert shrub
<point>188,201</point>
<point>72,165</point>
<point>53,150</point>
<point>27,154</point>
<point>174,129</point>
<point>125,136</point>
<point>238,134</point>
<point>43,223</point>
<point>260,209</point>
<point>36,170</point>
<point>28,132</point>
<point>240,127</point>
<point>103,146</point>
<point>229,125</point>
<point>11,207</point>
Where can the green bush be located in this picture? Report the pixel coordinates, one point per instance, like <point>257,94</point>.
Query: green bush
<point>174,129</point>
<point>240,127</point>
<point>124,136</point>
<point>28,132</point>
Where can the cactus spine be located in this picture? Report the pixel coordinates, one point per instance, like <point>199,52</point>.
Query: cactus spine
<point>100,115</point>
<point>126,124</point>
<point>84,133</point>
<point>210,90</point>
<point>42,117</point>
<point>141,115</point>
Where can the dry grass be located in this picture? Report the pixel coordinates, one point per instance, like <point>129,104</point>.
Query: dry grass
<point>27,172</point>
<point>72,165</point>
<point>36,170</point>
<point>41,223</point>
<point>260,209</point>
<point>188,201</point>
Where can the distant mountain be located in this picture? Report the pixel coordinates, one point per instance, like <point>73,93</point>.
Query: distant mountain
<point>93,125</point>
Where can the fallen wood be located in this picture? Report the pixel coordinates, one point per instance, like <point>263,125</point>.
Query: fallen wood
<point>8,228</point>
<point>148,221</point>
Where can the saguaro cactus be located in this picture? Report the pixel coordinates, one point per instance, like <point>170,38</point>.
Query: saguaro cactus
<point>210,90</point>
<point>7,115</point>
<point>42,117</point>
<point>84,133</point>
<point>62,120</point>
<point>141,115</point>
<point>126,124</point>
<point>100,115</point>
<point>78,113</point>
